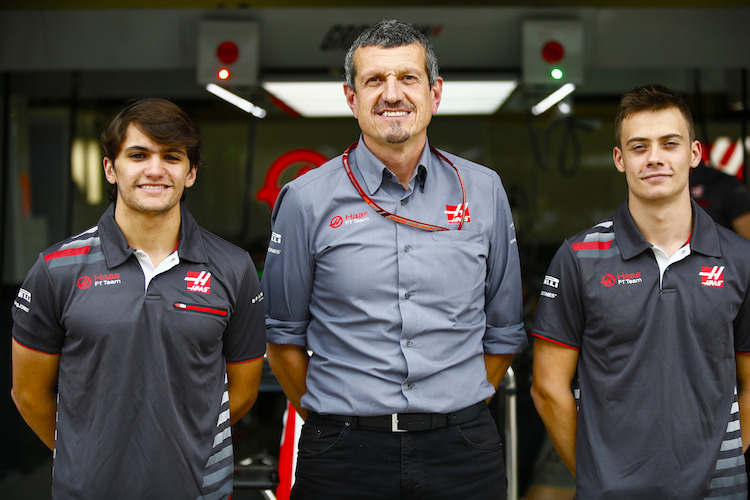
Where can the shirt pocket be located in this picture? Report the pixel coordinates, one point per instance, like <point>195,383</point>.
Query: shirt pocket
<point>193,323</point>
<point>456,270</point>
<point>450,238</point>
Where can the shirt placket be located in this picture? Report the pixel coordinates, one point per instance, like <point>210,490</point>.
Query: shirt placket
<point>407,253</point>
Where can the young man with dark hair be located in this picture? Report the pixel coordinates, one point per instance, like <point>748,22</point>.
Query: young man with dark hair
<point>410,303</point>
<point>138,342</point>
<point>650,308</point>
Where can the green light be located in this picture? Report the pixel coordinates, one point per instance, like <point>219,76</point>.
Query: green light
<point>556,73</point>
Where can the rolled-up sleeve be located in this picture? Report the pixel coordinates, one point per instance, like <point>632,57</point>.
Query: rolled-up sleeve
<point>505,333</point>
<point>288,273</point>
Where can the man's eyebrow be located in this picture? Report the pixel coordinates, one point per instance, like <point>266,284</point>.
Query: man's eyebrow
<point>667,136</point>
<point>136,147</point>
<point>174,150</point>
<point>403,70</point>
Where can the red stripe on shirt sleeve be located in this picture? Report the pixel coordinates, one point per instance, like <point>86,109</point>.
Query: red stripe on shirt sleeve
<point>245,361</point>
<point>555,341</point>
<point>35,350</point>
<point>591,245</point>
<point>68,252</point>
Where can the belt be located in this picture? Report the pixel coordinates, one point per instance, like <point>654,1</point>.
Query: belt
<point>408,422</point>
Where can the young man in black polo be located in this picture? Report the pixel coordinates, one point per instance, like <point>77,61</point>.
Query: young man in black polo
<point>650,308</point>
<point>139,341</point>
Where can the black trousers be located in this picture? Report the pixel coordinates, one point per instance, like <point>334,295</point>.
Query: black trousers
<point>339,461</point>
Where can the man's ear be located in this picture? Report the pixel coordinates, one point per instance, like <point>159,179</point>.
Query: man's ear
<point>437,94</point>
<point>617,158</point>
<point>109,170</point>
<point>697,153</point>
<point>191,177</point>
<point>351,99</point>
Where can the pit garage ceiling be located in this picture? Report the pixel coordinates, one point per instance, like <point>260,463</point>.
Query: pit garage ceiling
<point>623,45</point>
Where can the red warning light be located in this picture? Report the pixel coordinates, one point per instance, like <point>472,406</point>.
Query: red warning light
<point>227,52</point>
<point>553,51</point>
<point>223,74</point>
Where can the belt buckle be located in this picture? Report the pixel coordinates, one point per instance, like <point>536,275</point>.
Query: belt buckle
<point>394,424</point>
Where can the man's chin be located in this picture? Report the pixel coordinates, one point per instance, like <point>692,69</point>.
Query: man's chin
<point>399,138</point>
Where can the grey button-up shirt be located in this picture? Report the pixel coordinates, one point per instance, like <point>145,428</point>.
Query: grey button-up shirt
<point>398,318</point>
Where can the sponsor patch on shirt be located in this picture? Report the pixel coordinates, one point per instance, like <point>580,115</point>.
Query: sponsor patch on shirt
<point>25,296</point>
<point>275,240</point>
<point>86,282</point>
<point>610,280</point>
<point>712,276</point>
<point>198,282</point>
<point>551,281</point>
<point>349,219</point>
<point>454,213</point>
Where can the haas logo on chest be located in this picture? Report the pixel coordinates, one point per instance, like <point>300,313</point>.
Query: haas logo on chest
<point>199,282</point>
<point>712,276</point>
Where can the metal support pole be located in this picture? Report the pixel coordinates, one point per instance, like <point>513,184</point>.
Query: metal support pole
<point>511,434</point>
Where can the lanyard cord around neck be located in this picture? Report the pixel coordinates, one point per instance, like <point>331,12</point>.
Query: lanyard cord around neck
<point>397,218</point>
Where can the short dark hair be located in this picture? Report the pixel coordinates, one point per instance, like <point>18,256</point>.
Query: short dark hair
<point>651,97</point>
<point>159,119</point>
<point>388,34</point>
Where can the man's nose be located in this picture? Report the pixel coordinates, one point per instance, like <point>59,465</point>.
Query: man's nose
<point>154,167</point>
<point>392,91</point>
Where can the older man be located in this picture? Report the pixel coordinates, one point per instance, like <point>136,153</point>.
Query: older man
<point>396,264</point>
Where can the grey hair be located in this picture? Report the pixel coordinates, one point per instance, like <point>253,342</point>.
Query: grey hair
<point>388,34</point>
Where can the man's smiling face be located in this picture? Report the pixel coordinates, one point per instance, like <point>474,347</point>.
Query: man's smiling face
<point>150,177</point>
<point>393,101</point>
<point>656,155</point>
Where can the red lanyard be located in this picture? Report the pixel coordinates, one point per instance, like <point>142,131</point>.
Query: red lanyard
<point>397,218</point>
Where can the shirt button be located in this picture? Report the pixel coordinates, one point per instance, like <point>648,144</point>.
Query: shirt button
<point>407,248</point>
<point>409,386</point>
<point>403,202</point>
<point>409,343</point>
<point>407,295</point>
<point>388,176</point>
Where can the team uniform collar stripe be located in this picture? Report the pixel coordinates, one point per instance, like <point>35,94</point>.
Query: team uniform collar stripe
<point>704,238</point>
